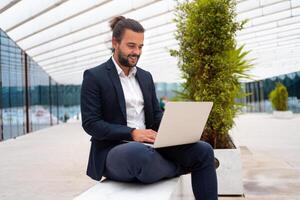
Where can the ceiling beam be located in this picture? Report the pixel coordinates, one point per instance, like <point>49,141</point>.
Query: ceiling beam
<point>44,11</point>
<point>63,20</point>
<point>9,5</point>
<point>93,37</point>
<point>84,27</point>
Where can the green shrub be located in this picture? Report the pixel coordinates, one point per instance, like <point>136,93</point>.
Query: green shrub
<point>210,62</point>
<point>279,97</point>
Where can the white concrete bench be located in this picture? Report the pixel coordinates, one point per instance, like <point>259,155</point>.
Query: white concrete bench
<point>111,190</point>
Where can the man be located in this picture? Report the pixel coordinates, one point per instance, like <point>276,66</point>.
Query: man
<point>118,103</point>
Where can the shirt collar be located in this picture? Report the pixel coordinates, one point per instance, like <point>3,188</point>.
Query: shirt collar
<point>132,71</point>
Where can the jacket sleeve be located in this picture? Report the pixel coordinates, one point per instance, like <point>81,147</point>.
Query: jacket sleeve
<point>157,112</point>
<point>91,112</point>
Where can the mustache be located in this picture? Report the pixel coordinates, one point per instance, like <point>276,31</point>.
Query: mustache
<point>134,55</point>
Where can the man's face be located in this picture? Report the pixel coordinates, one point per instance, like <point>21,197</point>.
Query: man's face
<point>129,49</point>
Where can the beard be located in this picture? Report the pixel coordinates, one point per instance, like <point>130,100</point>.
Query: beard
<point>124,59</point>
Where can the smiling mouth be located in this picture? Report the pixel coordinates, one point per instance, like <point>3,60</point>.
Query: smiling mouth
<point>133,58</point>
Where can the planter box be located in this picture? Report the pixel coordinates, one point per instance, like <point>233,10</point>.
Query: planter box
<point>283,114</point>
<point>229,172</point>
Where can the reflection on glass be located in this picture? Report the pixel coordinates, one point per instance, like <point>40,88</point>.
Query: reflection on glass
<point>48,101</point>
<point>12,97</point>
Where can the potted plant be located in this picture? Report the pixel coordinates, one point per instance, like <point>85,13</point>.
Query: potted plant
<point>279,99</point>
<point>212,65</point>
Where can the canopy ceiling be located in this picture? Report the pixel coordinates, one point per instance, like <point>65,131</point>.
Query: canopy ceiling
<point>65,37</point>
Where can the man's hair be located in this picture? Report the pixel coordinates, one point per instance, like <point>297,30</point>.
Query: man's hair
<point>119,24</point>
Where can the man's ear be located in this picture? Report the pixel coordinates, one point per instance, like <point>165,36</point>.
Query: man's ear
<point>114,43</point>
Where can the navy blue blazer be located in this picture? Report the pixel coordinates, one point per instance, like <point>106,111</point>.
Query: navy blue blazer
<point>103,111</point>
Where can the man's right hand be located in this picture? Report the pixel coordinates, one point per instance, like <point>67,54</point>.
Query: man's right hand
<point>142,135</point>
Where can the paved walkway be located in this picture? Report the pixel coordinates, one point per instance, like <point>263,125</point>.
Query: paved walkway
<point>50,163</point>
<point>270,156</point>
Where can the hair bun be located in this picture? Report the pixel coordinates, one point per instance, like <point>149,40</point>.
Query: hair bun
<point>114,21</point>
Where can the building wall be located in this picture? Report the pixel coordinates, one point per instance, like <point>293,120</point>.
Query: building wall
<point>29,98</point>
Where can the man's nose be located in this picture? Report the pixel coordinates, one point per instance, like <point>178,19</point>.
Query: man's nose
<point>137,51</point>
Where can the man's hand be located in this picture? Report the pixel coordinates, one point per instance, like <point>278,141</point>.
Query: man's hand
<point>142,135</point>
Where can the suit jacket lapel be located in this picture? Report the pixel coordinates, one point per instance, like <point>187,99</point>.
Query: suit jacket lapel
<point>112,71</point>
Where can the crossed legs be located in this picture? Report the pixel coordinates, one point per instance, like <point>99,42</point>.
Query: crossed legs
<point>137,162</point>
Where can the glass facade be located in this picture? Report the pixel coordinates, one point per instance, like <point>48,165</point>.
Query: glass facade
<point>167,89</point>
<point>12,84</point>
<point>39,97</point>
<point>259,91</point>
<point>30,99</point>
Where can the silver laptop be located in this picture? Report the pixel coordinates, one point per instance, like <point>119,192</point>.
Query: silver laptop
<point>182,123</point>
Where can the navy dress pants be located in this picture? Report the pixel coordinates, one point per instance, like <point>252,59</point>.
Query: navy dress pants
<point>135,161</point>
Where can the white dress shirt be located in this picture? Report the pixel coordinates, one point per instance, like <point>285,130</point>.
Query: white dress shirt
<point>134,100</point>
